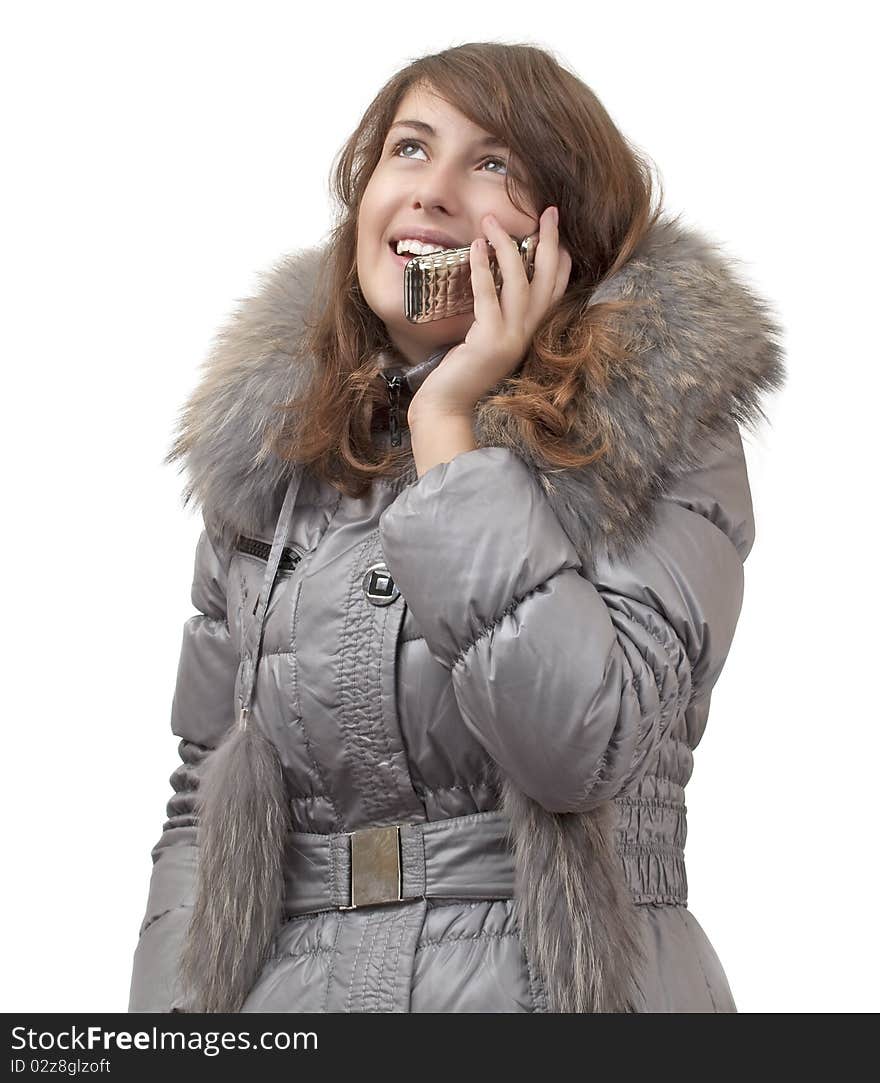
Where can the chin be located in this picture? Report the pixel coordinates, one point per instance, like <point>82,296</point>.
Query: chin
<point>433,333</point>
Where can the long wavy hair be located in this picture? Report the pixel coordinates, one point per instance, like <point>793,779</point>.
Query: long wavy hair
<point>574,157</point>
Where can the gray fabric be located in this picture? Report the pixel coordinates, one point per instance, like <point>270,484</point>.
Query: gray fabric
<point>520,640</point>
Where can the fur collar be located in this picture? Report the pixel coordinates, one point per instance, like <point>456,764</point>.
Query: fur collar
<point>704,350</point>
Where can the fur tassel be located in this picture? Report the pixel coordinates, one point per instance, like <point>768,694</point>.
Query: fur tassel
<point>243,822</point>
<point>580,925</point>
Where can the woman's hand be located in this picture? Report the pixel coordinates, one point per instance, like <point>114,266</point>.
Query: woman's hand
<point>503,326</point>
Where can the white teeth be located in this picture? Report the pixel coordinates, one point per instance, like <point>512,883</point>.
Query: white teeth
<point>417,248</point>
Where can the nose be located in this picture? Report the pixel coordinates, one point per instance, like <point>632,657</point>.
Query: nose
<point>436,190</point>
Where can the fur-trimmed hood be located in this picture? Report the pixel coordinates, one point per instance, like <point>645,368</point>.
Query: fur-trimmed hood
<point>703,348</point>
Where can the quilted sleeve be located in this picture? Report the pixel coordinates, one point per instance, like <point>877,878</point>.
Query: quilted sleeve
<point>570,682</point>
<point>201,712</point>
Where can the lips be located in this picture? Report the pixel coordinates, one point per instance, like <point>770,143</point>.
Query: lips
<point>426,236</point>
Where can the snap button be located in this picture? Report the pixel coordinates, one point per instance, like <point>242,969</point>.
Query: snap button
<point>378,585</point>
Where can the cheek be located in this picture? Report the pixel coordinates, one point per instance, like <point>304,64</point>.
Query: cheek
<point>378,205</point>
<point>366,233</point>
<point>369,200</point>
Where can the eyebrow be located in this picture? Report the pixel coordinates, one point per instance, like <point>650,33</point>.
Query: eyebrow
<point>420,125</point>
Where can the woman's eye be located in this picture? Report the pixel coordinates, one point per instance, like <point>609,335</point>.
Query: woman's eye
<point>415,143</point>
<point>404,143</point>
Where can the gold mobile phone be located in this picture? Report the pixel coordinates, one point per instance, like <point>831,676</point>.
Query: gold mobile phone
<point>438,285</point>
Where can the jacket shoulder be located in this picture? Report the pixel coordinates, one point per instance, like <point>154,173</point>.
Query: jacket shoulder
<point>717,487</point>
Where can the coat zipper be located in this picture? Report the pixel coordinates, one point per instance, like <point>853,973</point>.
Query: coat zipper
<point>291,555</point>
<point>394,385</point>
<point>409,383</point>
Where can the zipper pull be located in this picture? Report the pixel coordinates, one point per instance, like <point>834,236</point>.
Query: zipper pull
<point>394,385</point>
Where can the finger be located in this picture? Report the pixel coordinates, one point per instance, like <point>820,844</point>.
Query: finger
<point>514,282</point>
<point>547,267</point>
<point>563,273</point>
<point>486,307</point>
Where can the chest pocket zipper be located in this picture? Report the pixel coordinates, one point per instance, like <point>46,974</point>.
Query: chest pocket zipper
<point>291,555</point>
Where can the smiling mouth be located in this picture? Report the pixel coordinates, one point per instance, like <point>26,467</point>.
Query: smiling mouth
<point>404,257</point>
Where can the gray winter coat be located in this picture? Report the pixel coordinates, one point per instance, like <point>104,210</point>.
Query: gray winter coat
<point>512,664</point>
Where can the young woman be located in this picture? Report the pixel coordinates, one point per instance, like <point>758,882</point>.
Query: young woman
<point>465,586</point>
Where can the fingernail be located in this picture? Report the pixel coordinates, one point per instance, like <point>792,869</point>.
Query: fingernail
<point>554,211</point>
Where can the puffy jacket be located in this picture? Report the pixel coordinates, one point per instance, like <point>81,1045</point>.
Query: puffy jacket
<point>512,665</point>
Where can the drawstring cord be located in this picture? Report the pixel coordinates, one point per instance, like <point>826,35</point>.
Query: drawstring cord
<point>254,634</point>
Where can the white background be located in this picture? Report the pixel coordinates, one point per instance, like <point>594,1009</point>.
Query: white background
<point>157,156</point>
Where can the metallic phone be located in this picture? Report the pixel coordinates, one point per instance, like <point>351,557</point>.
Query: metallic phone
<point>438,285</point>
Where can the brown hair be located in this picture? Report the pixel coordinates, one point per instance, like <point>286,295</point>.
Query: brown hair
<point>578,160</point>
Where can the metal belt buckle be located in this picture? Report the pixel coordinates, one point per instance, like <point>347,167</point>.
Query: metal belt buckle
<point>375,866</point>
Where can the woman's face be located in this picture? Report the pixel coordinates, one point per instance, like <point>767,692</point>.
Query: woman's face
<point>447,181</point>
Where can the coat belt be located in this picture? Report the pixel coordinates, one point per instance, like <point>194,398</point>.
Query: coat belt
<point>464,857</point>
